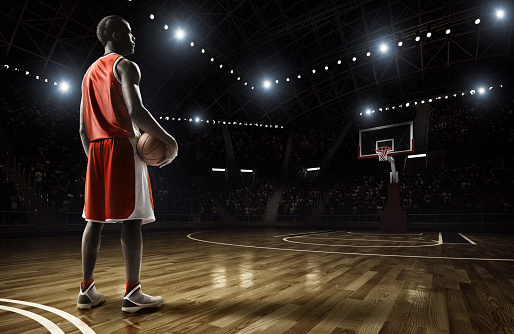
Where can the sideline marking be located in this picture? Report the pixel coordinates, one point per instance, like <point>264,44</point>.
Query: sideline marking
<point>82,326</point>
<point>189,236</point>
<point>469,240</point>
<point>50,326</point>
<point>363,246</point>
<point>372,240</point>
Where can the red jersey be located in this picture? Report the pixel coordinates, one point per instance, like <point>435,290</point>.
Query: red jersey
<point>105,111</point>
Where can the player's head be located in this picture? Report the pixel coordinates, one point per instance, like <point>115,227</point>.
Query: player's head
<point>114,31</point>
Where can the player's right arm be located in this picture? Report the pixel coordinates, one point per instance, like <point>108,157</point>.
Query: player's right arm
<point>130,77</point>
<point>82,130</point>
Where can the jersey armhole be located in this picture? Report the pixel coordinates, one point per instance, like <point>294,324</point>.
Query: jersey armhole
<point>114,69</point>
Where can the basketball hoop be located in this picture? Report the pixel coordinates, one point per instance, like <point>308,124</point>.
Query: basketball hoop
<point>382,152</point>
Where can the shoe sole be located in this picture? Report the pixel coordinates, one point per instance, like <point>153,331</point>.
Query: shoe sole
<point>89,306</point>
<point>134,309</point>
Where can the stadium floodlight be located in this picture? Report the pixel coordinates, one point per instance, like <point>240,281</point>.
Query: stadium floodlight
<point>180,34</point>
<point>354,59</point>
<point>417,39</point>
<point>266,84</point>
<point>339,62</point>
<point>414,156</point>
<point>313,169</point>
<point>152,16</point>
<point>299,76</point>
<point>192,43</point>
<point>368,53</point>
<point>276,81</point>
<point>477,21</point>
<point>500,13</point>
<point>448,31</point>
<point>368,111</point>
<point>64,87</point>
<point>197,119</point>
<point>166,28</point>
<point>429,34</point>
<point>326,68</point>
<point>481,90</point>
<point>383,47</point>
<point>246,170</point>
<point>218,169</point>
<point>313,70</point>
<point>400,43</point>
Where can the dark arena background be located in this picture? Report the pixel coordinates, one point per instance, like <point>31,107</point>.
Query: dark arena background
<point>268,221</point>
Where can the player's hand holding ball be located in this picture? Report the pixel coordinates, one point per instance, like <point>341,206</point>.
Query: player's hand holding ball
<point>154,152</point>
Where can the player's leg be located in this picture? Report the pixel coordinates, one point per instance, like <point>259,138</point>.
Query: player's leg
<point>91,238</point>
<point>132,246</point>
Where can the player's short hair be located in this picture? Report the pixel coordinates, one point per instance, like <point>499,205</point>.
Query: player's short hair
<point>108,25</point>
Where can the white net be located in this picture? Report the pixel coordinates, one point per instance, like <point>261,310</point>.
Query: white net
<point>382,152</point>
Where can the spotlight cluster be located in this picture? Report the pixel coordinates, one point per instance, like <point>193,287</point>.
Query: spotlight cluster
<point>63,86</point>
<point>480,90</point>
<point>207,121</point>
<point>382,49</point>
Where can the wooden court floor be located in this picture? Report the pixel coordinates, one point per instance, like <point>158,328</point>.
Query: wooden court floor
<point>268,281</point>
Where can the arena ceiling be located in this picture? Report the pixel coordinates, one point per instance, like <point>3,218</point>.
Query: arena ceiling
<point>272,40</point>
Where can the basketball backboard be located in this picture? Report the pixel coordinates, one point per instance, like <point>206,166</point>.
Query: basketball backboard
<point>397,136</point>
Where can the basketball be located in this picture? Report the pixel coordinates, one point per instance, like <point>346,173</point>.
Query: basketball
<point>151,150</point>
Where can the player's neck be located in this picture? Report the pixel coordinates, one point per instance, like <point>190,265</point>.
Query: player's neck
<point>109,49</point>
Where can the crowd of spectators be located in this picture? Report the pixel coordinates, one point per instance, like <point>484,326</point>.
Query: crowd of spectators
<point>473,127</point>
<point>484,188</point>
<point>11,199</point>
<point>43,140</point>
<point>299,197</point>
<point>200,144</point>
<point>261,148</point>
<point>42,129</point>
<point>246,198</point>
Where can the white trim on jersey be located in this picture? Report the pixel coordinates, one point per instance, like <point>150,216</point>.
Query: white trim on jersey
<point>116,75</point>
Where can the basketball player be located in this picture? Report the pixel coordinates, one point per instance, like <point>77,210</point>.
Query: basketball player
<point>117,183</point>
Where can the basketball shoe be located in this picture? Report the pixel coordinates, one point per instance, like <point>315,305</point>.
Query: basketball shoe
<point>136,300</point>
<point>89,298</point>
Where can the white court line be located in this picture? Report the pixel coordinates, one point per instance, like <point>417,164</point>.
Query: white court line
<point>82,326</point>
<point>372,240</point>
<point>469,240</point>
<point>350,232</point>
<point>361,246</point>
<point>306,233</point>
<point>50,326</point>
<point>189,236</point>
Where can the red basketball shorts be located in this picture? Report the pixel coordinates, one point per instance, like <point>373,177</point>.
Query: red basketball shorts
<point>117,183</point>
